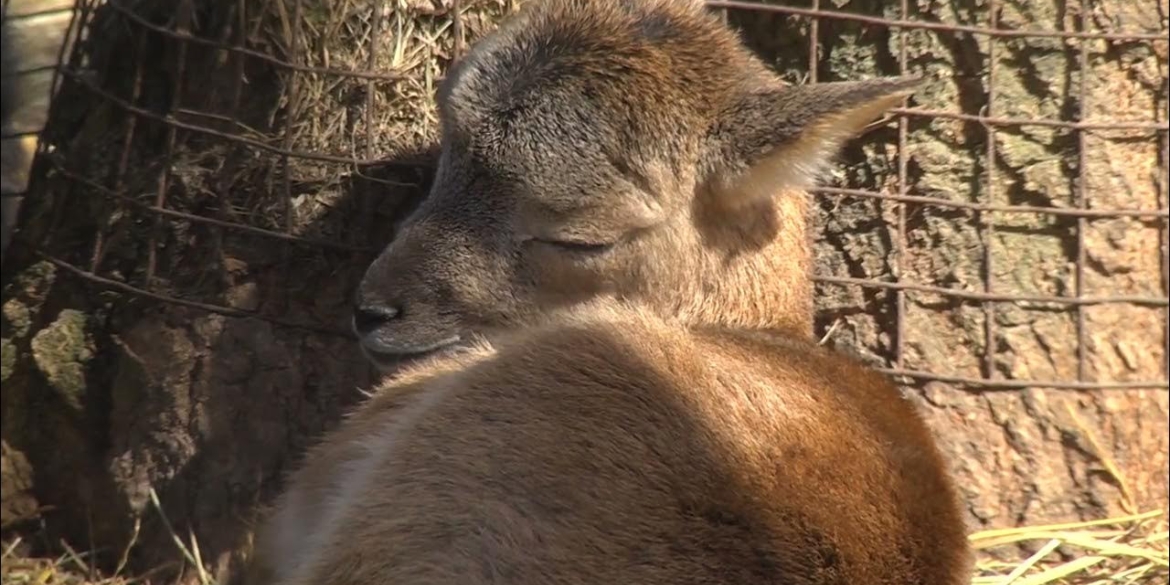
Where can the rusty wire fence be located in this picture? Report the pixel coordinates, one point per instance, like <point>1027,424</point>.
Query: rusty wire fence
<point>156,210</point>
<point>1078,121</point>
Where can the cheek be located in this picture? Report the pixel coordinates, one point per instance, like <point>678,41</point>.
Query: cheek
<point>475,283</point>
<point>558,280</point>
<point>662,260</point>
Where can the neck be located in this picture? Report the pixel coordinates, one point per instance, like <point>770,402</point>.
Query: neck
<point>757,274</point>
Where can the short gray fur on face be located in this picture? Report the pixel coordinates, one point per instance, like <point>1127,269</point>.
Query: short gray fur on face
<point>638,151</point>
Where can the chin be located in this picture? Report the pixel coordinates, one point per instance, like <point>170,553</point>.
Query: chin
<point>388,361</point>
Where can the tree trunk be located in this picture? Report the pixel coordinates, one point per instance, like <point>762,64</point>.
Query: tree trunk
<point>208,386</point>
<point>1035,454</point>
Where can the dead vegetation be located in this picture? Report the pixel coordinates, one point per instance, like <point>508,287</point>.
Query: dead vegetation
<point>1129,550</point>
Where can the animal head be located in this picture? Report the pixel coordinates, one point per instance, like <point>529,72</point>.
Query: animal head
<point>634,149</point>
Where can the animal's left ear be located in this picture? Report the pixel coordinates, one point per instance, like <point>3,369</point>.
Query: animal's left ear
<point>772,138</point>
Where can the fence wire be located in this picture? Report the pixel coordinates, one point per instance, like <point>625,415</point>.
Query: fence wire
<point>989,297</point>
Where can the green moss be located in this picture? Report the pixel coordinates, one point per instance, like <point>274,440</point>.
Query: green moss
<point>7,359</point>
<point>34,281</point>
<point>26,294</point>
<point>17,319</point>
<point>62,352</point>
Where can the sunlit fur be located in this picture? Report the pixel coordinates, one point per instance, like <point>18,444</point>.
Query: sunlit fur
<point>653,412</point>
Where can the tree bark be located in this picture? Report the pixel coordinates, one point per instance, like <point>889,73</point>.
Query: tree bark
<point>1035,454</point>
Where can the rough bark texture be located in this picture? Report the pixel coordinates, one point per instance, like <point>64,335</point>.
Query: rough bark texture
<point>107,396</point>
<point>1038,454</point>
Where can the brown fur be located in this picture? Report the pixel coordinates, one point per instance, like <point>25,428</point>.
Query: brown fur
<point>617,231</point>
<point>645,125</point>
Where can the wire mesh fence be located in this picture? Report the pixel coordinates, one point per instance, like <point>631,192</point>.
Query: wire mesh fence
<point>170,214</point>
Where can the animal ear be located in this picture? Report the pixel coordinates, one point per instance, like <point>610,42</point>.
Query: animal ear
<point>773,138</point>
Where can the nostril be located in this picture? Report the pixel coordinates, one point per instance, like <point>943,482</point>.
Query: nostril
<point>366,318</point>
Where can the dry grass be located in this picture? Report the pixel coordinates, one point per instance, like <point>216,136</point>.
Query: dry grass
<point>1128,550</point>
<point>63,570</point>
<point>69,568</point>
<point>364,120</point>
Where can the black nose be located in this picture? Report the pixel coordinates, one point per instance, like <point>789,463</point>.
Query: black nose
<point>368,317</point>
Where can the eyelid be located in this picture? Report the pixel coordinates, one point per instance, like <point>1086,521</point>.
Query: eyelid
<point>577,246</point>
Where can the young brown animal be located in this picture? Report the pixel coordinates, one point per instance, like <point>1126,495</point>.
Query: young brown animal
<point>616,231</point>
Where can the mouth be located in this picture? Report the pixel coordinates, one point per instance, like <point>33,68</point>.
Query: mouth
<point>390,360</point>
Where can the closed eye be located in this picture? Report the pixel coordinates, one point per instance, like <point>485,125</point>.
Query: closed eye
<point>576,247</point>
